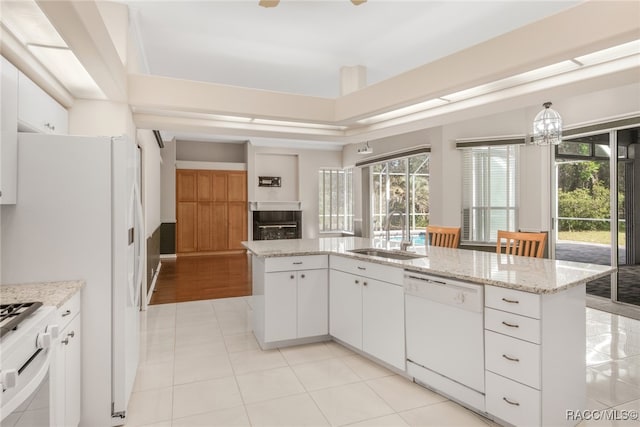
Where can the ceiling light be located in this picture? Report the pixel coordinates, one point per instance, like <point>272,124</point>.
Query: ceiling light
<point>268,3</point>
<point>547,127</point>
<point>358,2</point>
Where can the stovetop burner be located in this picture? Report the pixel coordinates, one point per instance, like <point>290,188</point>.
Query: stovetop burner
<point>12,314</point>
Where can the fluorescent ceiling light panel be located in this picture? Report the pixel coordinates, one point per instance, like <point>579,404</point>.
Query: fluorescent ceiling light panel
<point>616,52</point>
<point>30,26</point>
<point>66,67</point>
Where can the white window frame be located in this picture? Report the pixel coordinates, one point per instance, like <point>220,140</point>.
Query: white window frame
<point>478,209</point>
<point>328,222</point>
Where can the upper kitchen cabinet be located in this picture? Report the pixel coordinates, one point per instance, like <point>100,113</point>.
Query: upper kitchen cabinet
<point>37,111</point>
<point>9,132</point>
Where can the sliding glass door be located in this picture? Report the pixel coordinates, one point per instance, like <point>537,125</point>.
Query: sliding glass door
<point>597,218</point>
<point>400,199</point>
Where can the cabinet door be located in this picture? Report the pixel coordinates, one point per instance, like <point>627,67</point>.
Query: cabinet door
<point>186,227</point>
<point>73,362</point>
<point>204,226</point>
<point>186,186</point>
<point>383,321</point>
<point>9,132</point>
<point>37,111</point>
<point>280,306</point>
<point>237,224</point>
<point>237,187</point>
<point>219,226</point>
<point>345,307</point>
<point>219,186</point>
<point>205,186</point>
<point>313,303</point>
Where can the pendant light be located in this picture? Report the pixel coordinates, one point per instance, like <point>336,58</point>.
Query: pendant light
<point>547,127</point>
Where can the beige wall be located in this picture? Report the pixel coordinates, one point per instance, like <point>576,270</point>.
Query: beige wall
<point>210,151</point>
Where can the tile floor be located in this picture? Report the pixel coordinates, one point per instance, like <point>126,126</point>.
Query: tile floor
<point>201,366</point>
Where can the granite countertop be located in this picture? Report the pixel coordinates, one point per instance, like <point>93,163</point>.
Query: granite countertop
<point>48,293</point>
<point>535,275</point>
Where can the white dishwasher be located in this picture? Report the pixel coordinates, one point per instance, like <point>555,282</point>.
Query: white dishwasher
<point>445,339</point>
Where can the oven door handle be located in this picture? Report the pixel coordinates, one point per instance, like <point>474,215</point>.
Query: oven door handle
<point>30,386</point>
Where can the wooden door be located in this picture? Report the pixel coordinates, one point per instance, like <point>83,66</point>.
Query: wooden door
<point>186,227</point>
<point>205,221</point>
<point>186,186</point>
<point>237,224</point>
<point>219,226</point>
<point>205,186</point>
<point>237,186</point>
<point>219,186</point>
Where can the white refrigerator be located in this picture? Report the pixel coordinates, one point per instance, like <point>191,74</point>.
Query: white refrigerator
<point>78,216</point>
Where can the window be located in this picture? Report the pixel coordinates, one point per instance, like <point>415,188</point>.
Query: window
<point>489,191</point>
<point>400,193</point>
<point>336,200</point>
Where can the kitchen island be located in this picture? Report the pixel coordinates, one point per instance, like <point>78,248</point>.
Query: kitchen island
<point>501,334</point>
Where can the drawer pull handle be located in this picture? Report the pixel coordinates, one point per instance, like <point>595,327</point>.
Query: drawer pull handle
<point>511,325</point>
<point>65,341</point>
<point>66,313</point>
<point>292,276</point>
<point>357,281</point>
<point>511,301</point>
<point>513,359</point>
<point>364,283</point>
<point>510,402</point>
<point>361,268</point>
<point>302,275</point>
<point>297,263</point>
<point>71,334</point>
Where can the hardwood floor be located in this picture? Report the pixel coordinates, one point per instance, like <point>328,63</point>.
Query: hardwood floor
<point>191,278</point>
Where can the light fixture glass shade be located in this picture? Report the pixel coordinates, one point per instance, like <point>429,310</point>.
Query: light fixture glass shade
<point>547,127</point>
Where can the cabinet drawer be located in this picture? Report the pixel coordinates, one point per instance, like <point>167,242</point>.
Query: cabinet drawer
<point>513,358</point>
<point>518,302</point>
<point>512,402</point>
<point>372,270</point>
<point>294,263</point>
<point>69,310</point>
<point>514,325</point>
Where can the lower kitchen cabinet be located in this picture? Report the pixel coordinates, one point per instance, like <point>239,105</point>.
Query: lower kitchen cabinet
<point>68,364</point>
<point>368,314</point>
<point>293,303</point>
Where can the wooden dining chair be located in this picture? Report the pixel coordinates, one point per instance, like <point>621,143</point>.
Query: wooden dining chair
<point>447,237</point>
<point>521,243</point>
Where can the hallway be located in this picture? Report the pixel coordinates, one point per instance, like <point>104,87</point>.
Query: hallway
<point>192,278</point>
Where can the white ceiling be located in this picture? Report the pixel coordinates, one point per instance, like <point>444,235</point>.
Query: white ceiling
<point>300,46</point>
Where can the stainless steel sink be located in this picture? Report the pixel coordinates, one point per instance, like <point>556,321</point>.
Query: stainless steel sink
<point>383,253</point>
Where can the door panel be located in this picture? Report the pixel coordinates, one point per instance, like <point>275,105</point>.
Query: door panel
<point>219,186</point>
<point>237,224</point>
<point>186,186</point>
<point>204,226</point>
<point>219,226</point>
<point>187,239</point>
<point>345,307</point>
<point>237,187</point>
<point>205,186</point>
<point>313,303</point>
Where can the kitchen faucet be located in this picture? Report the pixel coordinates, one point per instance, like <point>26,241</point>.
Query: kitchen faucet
<point>404,244</point>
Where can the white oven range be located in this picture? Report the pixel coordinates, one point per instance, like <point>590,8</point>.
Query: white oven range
<point>29,331</point>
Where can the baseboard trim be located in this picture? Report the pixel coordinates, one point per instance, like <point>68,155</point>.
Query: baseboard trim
<point>153,282</point>
<point>168,256</point>
<point>228,252</point>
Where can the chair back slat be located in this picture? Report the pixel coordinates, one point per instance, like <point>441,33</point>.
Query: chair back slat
<point>448,237</point>
<point>520,243</point>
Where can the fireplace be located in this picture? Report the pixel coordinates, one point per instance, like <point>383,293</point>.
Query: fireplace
<point>277,225</point>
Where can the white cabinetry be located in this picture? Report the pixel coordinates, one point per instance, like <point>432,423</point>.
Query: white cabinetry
<point>9,132</point>
<point>368,313</point>
<point>37,111</point>
<point>534,353</point>
<point>68,364</point>
<point>290,298</point>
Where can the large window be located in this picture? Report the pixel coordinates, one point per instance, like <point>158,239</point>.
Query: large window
<point>336,200</point>
<point>489,200</point>
<point>400,197</point>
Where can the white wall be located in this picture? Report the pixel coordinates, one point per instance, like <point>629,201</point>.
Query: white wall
<point>101,118</point>
<point>309,162</point>
<point>281,165</point>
